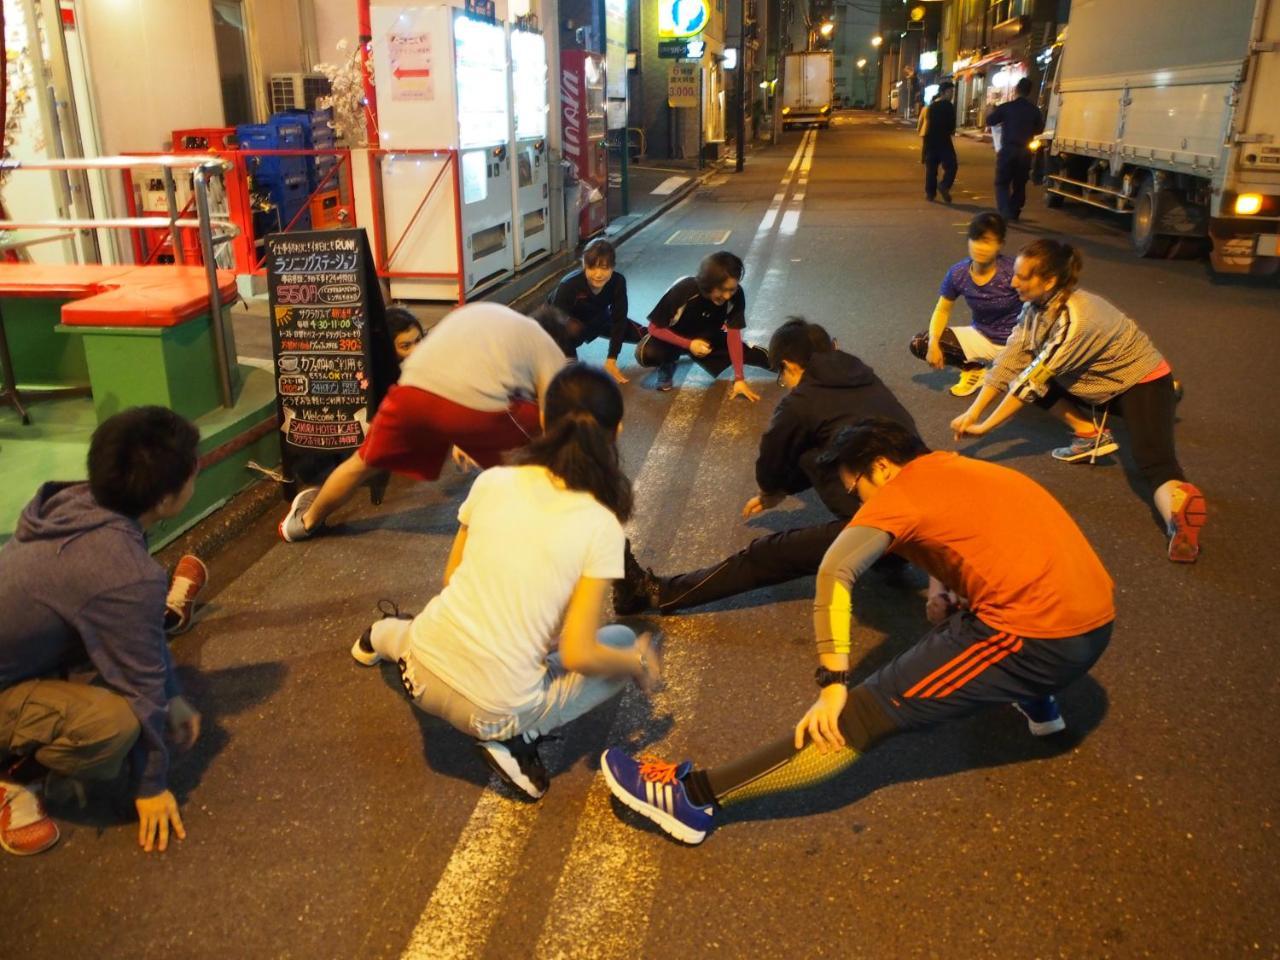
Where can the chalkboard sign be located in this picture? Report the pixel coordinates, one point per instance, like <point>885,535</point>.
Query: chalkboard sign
<point>328,337</point>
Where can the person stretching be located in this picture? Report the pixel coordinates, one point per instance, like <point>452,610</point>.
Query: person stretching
<point>828,390</point>
<point>470,384</point>
<point>1039,614</point>
<point>538,543</point>
<point>1074,344</point>
<point>984,279</point>
<point>596,297</point>
<point>703,316</point>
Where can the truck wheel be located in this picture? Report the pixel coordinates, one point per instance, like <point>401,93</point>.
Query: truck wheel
<point>1146,242</point>
<point>1053,200</point>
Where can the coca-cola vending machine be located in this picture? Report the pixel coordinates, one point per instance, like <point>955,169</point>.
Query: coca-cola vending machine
<point>582,104</point>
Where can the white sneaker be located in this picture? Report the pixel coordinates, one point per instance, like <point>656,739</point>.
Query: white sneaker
<point>25,828</point>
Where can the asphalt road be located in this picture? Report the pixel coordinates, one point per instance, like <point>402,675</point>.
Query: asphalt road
<point>326,819</point>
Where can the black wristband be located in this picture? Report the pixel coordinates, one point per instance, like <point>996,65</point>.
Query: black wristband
<point>826,678</point>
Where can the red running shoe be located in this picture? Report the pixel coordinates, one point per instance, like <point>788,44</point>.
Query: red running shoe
<point>1189,511</point>
<point>25,828</point>
<point>189,578</point>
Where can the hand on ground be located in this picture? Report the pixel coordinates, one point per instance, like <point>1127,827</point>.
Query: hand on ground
<point>760,503</point>
<point>740,389</point>
<point>611,366</point>
<point>155,817</point>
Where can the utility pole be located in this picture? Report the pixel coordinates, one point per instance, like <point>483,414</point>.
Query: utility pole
<point>740,86</point>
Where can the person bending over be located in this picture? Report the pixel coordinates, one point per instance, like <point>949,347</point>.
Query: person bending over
<point>77,583</point>
<point>703,317</point>
<point>828,390</point>
<point>984,279</point>
<point>538,543</point>
<point>1071,344</point>
<point>1039,614</point>
<point>471,384</point>
<point>596,297</point>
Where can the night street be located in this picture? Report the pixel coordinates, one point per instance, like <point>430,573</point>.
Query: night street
<point>328,818</point>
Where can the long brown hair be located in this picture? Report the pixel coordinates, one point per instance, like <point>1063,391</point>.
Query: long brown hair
<point>583,408</point>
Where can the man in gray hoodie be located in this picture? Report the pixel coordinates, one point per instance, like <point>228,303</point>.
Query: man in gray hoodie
<point>77,583</point>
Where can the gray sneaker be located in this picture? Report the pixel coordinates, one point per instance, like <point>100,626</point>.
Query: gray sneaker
<point>291,527</point>
<point>1087,448</point>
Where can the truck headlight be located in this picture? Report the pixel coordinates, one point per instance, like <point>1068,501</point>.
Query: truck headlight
<point>1247,204</point>
<point>1034,145</point>
<point>785,111</point>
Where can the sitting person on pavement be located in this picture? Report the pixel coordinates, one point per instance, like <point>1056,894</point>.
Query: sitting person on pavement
<point>596,296</point>
<point>829,390</point>
<point>1039,614</point>
<point>473,383</point>
<point>1071,345</point>
<point>512,647</point>
<point>984,279</point>
<point>703,317</point>
<point>77,583</point>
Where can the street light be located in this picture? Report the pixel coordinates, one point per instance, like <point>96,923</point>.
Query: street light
<point>826,28</point>
<point>862,63</point>
<point>876,41</point>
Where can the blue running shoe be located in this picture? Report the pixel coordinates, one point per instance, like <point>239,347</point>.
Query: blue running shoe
<point>1043,716</point>
<point>654,789</point>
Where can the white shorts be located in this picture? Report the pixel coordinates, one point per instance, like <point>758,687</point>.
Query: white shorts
<point>975,344</point>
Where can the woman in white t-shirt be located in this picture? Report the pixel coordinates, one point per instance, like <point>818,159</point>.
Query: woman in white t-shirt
<point>512,647</point>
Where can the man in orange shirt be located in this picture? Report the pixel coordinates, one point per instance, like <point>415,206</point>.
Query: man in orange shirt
<point>1022,606</point>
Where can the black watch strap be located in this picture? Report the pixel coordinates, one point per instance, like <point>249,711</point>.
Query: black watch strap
<point>826,678</point>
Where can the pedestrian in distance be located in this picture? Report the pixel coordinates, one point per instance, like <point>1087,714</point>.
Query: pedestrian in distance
<point>472,384</point>
<point>827,391</point>
<point>1071,345</point>
<point>595,295</point>
<point>1020,122</point>
<point>538,543</point>
<point>939,151</point>
<point>703,317</point>
<point>78,587</point>
<point>1038,614</point>
<point>984,280</point>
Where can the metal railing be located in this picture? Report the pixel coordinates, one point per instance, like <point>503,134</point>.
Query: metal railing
<point>202,167</point>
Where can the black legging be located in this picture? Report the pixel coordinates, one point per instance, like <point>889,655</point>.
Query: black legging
<point>949,344</point>
<point>1148,410</point>
<point>652,352</point>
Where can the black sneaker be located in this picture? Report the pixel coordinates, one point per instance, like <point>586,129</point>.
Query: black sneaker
<point>637,591</point>
<point>945,195</point>
<point>362,650</point>
<point>517,762</point>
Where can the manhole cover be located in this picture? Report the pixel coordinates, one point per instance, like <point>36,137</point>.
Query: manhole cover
<point>698,238</point>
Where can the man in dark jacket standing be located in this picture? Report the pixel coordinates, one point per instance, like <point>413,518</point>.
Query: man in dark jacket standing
<point>1019,121</point>
<point>830,390</point>
<point>939,128</point>
<point>77,583</point>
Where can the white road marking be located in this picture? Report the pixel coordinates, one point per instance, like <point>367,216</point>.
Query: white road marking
<point>669,185</point>
<point>790,223</point>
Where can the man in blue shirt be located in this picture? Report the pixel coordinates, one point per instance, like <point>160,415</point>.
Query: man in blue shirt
<point>1019,121</point>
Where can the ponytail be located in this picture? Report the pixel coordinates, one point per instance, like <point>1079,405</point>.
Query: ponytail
<point>583,408</point>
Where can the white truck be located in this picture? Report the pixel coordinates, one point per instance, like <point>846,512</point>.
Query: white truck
<point>1169,110</point>
<point>808,85</point>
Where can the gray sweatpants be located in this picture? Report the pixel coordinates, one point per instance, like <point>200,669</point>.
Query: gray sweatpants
<point>75,729</point>
<point>565,695</point>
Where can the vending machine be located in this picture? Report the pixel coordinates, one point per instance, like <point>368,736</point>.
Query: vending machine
<point>582,131</point>
<point>529,144</point>
<point>442,83</point>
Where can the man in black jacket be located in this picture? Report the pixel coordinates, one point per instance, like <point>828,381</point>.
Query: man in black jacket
<point>939,127</point>
<point>830,390</point>
<point>1020,122</point>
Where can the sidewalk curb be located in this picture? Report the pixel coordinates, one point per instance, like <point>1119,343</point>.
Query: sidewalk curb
<point>227,522</point>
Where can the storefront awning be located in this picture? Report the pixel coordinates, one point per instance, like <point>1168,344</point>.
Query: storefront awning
<point>1002,56</point>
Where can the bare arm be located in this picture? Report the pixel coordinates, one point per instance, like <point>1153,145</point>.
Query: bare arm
<point>582,653</point>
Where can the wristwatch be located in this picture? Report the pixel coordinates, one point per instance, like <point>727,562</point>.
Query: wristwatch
<point>827,677</point>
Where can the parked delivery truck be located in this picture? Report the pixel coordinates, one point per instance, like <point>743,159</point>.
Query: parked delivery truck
<point>807,88</point>
<point>1169,111</point>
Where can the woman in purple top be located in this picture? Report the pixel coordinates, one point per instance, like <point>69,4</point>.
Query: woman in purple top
<point>984,279</point>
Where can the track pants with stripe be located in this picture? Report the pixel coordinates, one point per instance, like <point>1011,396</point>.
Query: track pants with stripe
<point>957,668</point>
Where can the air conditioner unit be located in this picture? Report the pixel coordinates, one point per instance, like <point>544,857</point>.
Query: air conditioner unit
<point>297,91</point>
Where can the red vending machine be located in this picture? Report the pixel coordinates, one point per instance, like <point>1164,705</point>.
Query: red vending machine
<point>582,105</point>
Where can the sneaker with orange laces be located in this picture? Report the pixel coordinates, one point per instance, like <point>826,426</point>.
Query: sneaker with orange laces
<point>25,828</point>
<point>189,578</point>
<point>1187,515</point>
<point>655,789</point>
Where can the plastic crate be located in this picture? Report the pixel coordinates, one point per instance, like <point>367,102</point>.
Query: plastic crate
<point>269,136</point>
